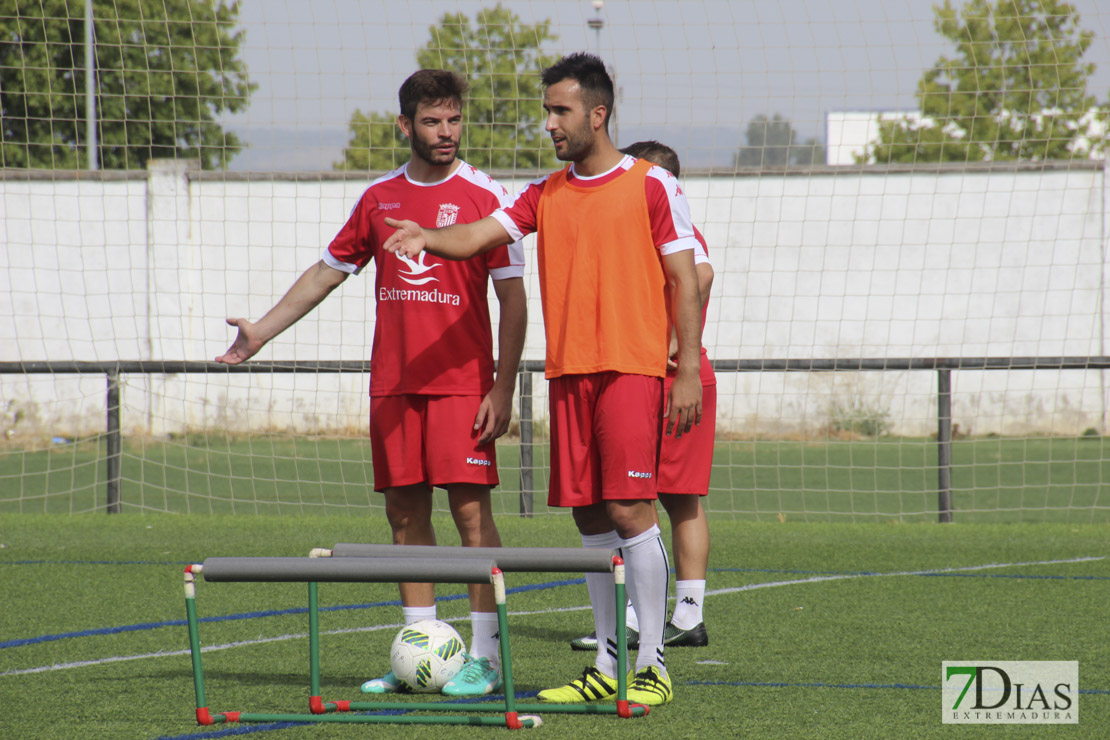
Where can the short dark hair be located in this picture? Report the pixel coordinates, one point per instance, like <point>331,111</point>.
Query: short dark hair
<point>592,78</point>
<point>656,153</point>
<point>431,86</point>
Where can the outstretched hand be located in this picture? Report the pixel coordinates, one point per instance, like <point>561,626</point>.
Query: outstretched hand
<point>408,240</point>
<point>246,344</point>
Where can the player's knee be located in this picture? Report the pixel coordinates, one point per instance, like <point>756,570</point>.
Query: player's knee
<point>630,518</point>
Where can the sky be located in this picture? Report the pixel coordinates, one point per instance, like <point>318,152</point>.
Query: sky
<point>690,73</point>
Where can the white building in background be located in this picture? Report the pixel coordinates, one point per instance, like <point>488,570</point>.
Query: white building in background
<point>849,134</point>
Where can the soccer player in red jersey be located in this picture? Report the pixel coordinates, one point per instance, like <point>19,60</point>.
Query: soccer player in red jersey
<point>612,232</point>
<point>685,466</point>
<point>436,406</point>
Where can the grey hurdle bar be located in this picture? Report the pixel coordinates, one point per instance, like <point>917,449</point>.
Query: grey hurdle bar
<point>509,559</point>
<point>347,570</point>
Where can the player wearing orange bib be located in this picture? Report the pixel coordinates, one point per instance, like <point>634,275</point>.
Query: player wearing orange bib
<point>685,465</point>
<point>612,232</point>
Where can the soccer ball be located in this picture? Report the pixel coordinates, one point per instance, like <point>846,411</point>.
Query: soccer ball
<point>427,654</point>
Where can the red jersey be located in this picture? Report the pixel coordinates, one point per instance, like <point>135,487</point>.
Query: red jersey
<point>432,331</point>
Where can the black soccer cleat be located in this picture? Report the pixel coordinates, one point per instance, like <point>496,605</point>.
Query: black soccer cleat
<point>694,637</point>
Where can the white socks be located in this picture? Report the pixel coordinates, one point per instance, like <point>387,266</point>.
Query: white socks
<point>687,610</point>
<point>647,573</point>
<point>630,619</point>
<point>604,603</point>
<point>484,643</point>
<point>416,613</point>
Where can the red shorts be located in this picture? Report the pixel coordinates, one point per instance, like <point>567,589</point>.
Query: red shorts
<point>604,437</point>
<point>686,462</point>
<point>417,439</point>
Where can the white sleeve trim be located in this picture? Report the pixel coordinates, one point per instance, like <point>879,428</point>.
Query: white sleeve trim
<point>507,223</point>
<point>700,257</point>
<point>681,245</point>
<point>331,261</point>
<point>504,273</point>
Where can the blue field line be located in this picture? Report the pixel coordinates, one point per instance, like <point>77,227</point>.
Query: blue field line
<point>771,571</point>
<point>517,589</point>
<point>141,627</point>
<point>811,685</point>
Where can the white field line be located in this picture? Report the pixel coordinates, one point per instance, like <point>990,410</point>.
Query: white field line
<point>378,627</point>
<point>931,571</point>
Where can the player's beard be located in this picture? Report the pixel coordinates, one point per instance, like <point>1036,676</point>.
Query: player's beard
<point>576,144</point>
<point>428,153</point>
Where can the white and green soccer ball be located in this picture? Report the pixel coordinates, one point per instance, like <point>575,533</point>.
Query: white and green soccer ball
<point>427,654</point>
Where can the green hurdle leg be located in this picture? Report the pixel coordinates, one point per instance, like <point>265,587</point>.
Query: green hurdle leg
<point>315,702</point>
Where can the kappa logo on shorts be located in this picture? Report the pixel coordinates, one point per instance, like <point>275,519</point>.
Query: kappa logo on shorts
<point>479,461</point>
<point>638,474</point>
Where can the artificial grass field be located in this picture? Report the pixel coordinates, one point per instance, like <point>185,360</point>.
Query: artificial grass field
<point>848,644</point>
<point>994,479</point>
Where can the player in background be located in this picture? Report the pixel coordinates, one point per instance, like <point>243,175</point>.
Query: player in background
<point>685,465</point>
<point>435,405</point>
<point>612,231</point>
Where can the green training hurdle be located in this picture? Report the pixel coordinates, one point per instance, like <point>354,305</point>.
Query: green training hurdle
<point>388,563</point>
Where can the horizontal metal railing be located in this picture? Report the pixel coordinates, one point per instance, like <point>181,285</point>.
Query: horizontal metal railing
<point>943,366</point>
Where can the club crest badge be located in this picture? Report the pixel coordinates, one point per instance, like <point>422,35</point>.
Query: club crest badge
<point>448,214</point>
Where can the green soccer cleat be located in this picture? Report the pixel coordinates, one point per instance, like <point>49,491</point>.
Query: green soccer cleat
<point>477,678</point>
<point>649,687</point>
<point>677,637</point>
<point>589,642</point>
<point>592,686</point>
<point>387,684</point>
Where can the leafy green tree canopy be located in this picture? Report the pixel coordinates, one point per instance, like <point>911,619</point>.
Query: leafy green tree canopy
<point>165,69</point>
<point>1016,89</point>
<point>502,60</point>
<point>773,142</point>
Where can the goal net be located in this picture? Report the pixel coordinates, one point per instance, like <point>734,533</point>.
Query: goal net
<point>906,212</point>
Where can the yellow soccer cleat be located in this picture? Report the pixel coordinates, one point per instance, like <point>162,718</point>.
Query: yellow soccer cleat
<point>650,687</point>
<point>592,686</point>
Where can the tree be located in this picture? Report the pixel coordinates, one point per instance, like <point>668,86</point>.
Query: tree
<point>501,59</point>
<point>1015,89</point>
<point>773,142</point>
<point>164,70</point>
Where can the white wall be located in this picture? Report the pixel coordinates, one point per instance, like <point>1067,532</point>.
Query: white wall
<point>837,263</point>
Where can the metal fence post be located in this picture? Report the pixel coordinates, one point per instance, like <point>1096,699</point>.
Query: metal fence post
<point>112,439</point>
<point>525,384</point>
<point>944,445</point>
